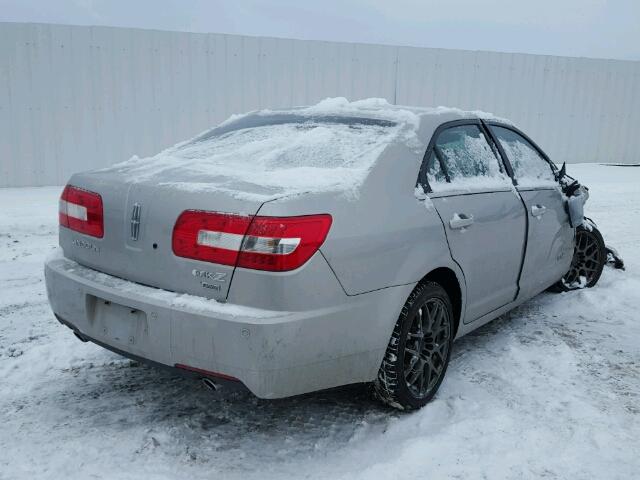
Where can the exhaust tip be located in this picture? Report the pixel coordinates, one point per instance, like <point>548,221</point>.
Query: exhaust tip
<point>210,384</point>
<point>79,336</point>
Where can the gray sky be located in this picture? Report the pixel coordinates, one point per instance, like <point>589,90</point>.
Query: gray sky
<point>587,28</point>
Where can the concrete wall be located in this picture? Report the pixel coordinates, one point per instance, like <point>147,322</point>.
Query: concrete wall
<point>74,98</point>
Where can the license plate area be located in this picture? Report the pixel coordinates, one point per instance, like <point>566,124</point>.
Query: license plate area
<point>118,323</point>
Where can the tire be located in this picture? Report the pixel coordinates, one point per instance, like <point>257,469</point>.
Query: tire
<point>413,343</point>
<point>589,258</point>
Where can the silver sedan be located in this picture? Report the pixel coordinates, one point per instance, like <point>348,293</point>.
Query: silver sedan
<point>297,250</point>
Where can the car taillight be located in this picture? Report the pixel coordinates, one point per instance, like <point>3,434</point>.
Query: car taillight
<point>283,243</point>
<point>81,210</point>
<point>263,243</point>
<point>212,237</point>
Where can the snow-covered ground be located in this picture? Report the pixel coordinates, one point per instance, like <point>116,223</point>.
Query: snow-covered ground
<point>551,390</point>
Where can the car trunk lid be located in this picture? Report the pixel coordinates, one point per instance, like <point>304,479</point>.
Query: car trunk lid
<point>139,218</point>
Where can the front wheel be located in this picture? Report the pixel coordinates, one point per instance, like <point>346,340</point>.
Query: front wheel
<point>589,257</point>
<point>418,353</point>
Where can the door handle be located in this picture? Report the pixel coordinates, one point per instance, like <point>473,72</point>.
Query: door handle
<point>460,220</point>
<point>538,210</point>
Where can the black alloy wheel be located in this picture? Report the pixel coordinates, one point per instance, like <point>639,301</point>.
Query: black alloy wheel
<point>589,258</point>
<point>419,350</point>
<point>426,347</point>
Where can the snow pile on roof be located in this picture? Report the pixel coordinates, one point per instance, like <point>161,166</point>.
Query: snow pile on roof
<point>330,146</point>
<point>371,107</point>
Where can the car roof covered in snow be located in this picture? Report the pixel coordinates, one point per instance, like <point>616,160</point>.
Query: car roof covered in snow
<point>372,108</point>
<point>330,146</point>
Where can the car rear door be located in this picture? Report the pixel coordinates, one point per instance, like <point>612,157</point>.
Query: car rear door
<point>484,220</point>
<point>550,236</point>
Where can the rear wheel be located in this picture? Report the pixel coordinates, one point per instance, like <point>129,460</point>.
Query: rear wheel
<point>589,257</point>
<point>418,353</point>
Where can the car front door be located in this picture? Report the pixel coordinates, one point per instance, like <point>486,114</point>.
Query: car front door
<point>550,236</point>
<point>483,218</point>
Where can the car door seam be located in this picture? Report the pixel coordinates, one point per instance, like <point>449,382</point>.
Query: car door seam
<point>507,163</point>
<point>334,273</point>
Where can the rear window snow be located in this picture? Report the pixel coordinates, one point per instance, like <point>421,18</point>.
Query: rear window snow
<point>279,153</point>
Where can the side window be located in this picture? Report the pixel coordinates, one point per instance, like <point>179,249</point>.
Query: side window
<point>462,158</point>
<point>529,167</point>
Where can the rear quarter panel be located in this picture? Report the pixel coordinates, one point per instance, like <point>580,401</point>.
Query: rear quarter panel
<point>385,236</point>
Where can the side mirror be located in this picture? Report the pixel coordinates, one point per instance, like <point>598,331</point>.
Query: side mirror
<point>563,170</point>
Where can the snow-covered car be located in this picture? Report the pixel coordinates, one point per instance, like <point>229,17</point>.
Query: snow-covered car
<point>297,250</point>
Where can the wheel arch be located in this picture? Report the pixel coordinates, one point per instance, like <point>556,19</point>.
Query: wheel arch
<point>448,279</point>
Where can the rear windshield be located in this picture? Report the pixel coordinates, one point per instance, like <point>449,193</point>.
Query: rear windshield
<point>317,153</point>
<point>310,144</point>
<point>253,121</point>
<point>260,157</point>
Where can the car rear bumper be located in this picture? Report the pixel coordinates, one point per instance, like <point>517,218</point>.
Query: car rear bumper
<point>273,353</point>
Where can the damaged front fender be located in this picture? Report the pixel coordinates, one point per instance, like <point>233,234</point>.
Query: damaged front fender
<point>575,205</point>
<point>576,196</point>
